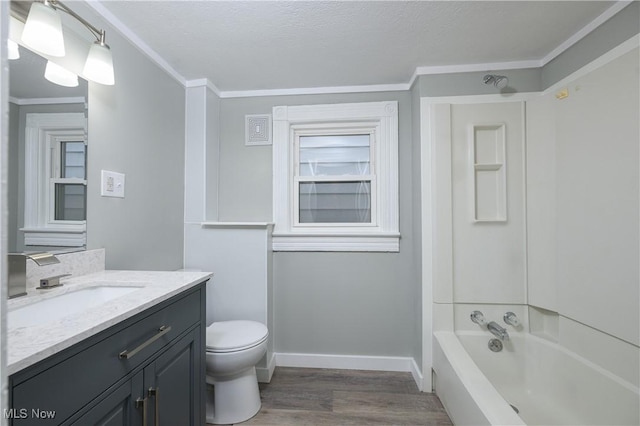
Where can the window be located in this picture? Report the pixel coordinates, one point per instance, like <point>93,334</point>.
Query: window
<point>68,184</point>
<point>55,180</point>
<point>336,177</point>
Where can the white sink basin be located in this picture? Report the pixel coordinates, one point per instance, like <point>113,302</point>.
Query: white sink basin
<point>65,304</point>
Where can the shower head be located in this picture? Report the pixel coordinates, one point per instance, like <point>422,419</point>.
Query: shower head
<point>499,81</point>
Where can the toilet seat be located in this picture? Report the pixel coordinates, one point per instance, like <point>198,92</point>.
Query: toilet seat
<point>234,336</point>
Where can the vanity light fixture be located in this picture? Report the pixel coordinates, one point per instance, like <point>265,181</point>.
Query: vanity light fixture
<point>43,29</point>
<point>99,64</point>
<point>60,75</point>
<point>13,50</point>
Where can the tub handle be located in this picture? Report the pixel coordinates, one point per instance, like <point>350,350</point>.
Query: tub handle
<point>511,319</point>
<point>478,318</point>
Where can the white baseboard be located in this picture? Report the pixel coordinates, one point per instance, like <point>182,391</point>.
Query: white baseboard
<point>351,362</point>
<point>417,376</point>
<point>265,373</point>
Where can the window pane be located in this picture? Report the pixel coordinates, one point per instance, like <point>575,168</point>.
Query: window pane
<point>70,201</point>
<point>72,160</point>
<point>335,202</point>
<point>334,155</point>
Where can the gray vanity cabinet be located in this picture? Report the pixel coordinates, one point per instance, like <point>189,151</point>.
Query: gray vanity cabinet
<point>147,370</point>
<point>170,388</point>
<point>119,407</point>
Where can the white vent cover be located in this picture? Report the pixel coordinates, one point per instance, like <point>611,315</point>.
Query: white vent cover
<point>257,129</point>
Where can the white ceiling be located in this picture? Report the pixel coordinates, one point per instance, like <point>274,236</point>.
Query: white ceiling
<point>257,45</point>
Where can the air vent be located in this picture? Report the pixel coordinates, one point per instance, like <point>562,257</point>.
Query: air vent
<point>257,129</point>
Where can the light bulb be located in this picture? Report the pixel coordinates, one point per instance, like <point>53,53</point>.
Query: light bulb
<point>59,75</point>
<point>99,65</point>
<point>43,30</point>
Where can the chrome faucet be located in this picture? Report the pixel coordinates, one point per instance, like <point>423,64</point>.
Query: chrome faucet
<point>17,275</point>
<point>478,318</point>
<point>511,319</point>
<point>18,270</point>
<point>498,331</point>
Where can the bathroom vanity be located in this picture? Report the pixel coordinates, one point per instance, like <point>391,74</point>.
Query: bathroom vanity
<point>135,357</point>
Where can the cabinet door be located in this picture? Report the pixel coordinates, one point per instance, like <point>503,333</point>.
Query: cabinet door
<point>174,383</point>
<point>124,406</point>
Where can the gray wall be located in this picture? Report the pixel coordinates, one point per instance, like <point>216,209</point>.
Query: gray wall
<point>137,128</point>
<point>616,30</point>
<point>471,83</point>
<point>327,303</point>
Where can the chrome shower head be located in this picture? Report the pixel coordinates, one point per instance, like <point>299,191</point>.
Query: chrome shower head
<point>499,81</point>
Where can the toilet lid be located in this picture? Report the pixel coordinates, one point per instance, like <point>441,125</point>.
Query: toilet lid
<point>227,336</point>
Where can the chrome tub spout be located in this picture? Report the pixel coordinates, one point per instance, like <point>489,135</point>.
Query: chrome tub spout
<point>498,331</point>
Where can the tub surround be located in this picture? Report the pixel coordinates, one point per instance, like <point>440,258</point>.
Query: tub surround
<point>575,358</point>
<point>467,395</point>
<point>28,345</point>
<point>545,382</point>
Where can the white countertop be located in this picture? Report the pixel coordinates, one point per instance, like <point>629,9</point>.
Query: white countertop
<point>28,345</point>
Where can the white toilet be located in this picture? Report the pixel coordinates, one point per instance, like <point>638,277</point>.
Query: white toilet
<point>233,350</point>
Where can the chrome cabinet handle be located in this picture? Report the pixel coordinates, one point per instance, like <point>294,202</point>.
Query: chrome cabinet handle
<point>142,403</point>
<point>161,332</point>
<point>156,394</point>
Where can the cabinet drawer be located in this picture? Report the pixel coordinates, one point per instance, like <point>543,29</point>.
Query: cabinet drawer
<point>75,381</point>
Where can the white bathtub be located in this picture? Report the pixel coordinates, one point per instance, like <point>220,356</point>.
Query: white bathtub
<point>546,383</point>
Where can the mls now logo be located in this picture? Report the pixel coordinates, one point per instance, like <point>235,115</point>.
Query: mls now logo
<point>15,413</point>
<point>23,413</point>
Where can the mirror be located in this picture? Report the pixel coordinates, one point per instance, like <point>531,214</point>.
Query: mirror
<point>46,196</point>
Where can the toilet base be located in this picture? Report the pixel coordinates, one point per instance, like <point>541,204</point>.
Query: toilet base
<point>233,399</point>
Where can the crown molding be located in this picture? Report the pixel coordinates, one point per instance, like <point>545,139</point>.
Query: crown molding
<point>316,90</point>
<point>492,66</point>
<point>611,55</point>
<point>423,70</point>
<point>606,15</point>
<point>127,33</point>
<point>203,82</point>
<point>46,101</point>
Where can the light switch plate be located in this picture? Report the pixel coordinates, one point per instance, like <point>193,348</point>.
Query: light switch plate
<point>112,184</point>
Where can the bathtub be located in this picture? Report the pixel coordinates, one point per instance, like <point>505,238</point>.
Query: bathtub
<point>544,382</point>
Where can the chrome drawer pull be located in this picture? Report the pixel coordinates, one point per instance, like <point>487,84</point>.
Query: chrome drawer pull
<point>161,332</point>
<point>142,403</point>
<point>156,394</point>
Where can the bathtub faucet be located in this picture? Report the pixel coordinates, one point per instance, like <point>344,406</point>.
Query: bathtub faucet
<point>511,319</point>
<point>478,318</point>
<point>498,331</point>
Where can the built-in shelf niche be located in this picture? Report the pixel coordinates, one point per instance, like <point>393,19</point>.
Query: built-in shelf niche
<point>489,179</point>
<point>544,323</point>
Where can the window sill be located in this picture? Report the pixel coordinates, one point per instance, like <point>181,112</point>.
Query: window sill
<point>55,236</point>
<point>337,243</point>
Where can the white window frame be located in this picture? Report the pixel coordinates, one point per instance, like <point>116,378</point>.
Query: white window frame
<point>43,134</point>
<point>380,120</point>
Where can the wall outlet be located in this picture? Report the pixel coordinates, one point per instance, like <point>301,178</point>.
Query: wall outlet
<point>112,184</point>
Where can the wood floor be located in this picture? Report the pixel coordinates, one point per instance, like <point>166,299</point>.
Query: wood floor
<point>303,396</point>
